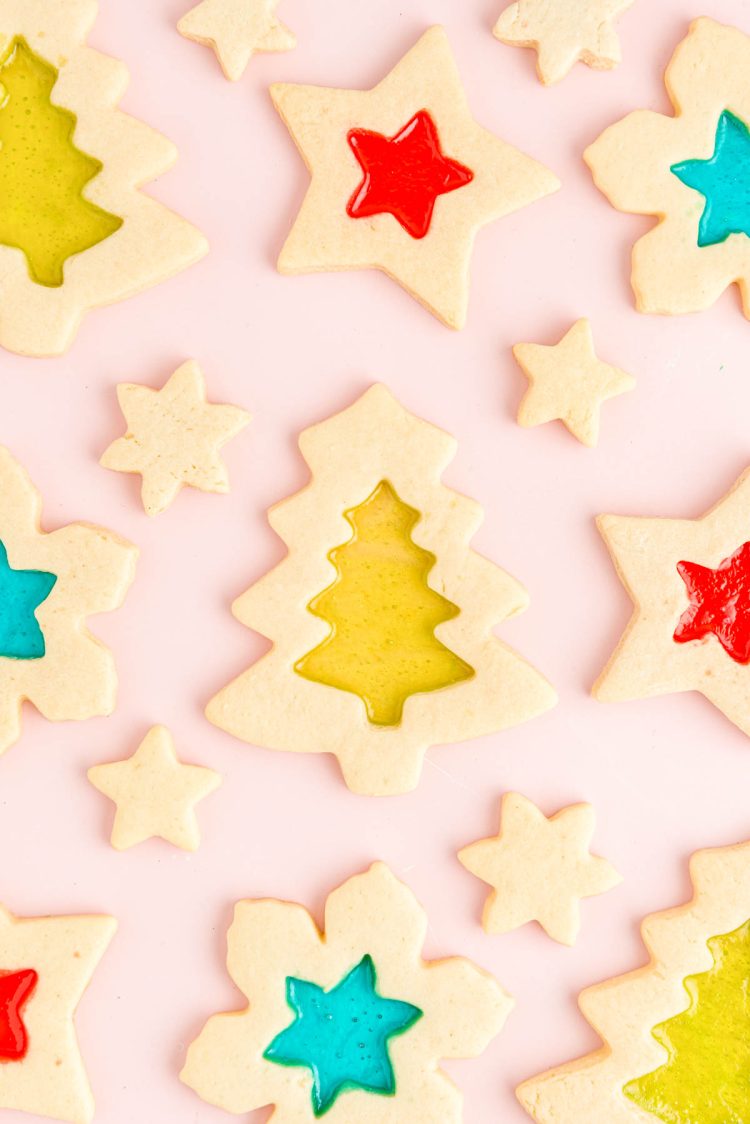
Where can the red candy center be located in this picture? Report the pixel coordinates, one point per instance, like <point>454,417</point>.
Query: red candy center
<point>719,604</point>
<point>15,989</point>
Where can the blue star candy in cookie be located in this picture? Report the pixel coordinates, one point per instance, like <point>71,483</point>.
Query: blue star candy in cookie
<point>724,182</point>
<point>21,593</point>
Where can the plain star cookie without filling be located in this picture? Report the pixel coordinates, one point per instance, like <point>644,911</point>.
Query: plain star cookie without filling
<point>155,793</point>
<point>174,437</point>
<point>367,961</point>
<point>568,383</point>
<point>402,178</point>
<point>236,29</point>
<point>692,172</point>
<point>539,868</point>
<point>564,32</point>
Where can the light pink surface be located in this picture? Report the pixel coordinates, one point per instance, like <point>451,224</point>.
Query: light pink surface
<point>666,776</point>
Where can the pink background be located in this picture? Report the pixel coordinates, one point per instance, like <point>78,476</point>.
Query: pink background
<point>666,776</point>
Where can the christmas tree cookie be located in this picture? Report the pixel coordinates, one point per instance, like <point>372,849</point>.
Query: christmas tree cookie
<point>45,966</point>
<point>49,584</point>
<point>348,1024</point>
<point>692,171</point>
<point>690,582</point>
<point>236,29</point>
<point>675,1044</point>
<point>563,33</point>
<point>381,614</point>
<point>402,178</point>
<point>85,236</point>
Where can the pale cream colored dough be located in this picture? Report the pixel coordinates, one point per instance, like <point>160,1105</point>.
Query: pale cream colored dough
<point>51,1080</point>
<point>236,29</point>
<point>568,383</point>
<point>75,679</point>
<point>271,705</point>
<point>174,437</point>
<point>647,660</point>
<point>434,269</point>
<point>371,914</point>
<point>539,868</point>
<point>625,1010</point>
<point>564,32</point>
<point>631,164</point>
<point>155,794</point>
<point>151,245</point>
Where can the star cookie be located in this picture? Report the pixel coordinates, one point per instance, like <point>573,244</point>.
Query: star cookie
<point>236,29</point>
<point>674,1033</point>
<point>402,178</point>
<point>46,964</point>
<point>173,437</point>
<point>539,868</point>
<point>563,33</point>
<point>568,383</point>
<point>351,1022</point>
<point>691,171</point>
<point>155,793</point>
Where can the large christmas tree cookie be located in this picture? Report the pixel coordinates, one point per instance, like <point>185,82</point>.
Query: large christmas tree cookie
<point>349,1024</point>
<point>49,584</point>
<point>692,171</point>
<point>85,235</point>
<point>381,614</point>
<point>402,178</point>
<point>690,582</point>
<point>45,966</point>
<point>675,1041</point>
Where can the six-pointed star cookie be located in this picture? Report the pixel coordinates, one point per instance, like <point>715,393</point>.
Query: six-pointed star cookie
<point>402,178</point>
<point>539,868</point>
<point>155,793</point>
<point>45,965</point>
<point>236,29</point>
<point>690,582</point>
<point>564,33</point>
<point>173,438</point>
<point>569,383</point>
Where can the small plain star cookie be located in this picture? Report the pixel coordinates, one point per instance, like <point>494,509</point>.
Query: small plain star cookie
<point>236,29</point>
<point>539,868</point>
<point>155,793</point>
<point>568,383</point>
<point>173,438</point>
<point>402,178</point>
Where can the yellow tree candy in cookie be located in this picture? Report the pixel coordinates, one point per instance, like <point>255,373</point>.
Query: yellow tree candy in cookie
<point>381,614</point>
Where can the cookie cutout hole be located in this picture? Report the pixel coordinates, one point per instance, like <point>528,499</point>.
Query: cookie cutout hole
<point>719,604</point>
<point>15,989</point>
<point>21,593</point>
<point>724,182</point>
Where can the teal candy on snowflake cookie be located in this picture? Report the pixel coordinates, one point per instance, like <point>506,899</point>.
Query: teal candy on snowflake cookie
<point>349,1024</point>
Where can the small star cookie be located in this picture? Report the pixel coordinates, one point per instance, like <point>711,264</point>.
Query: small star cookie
<point>539,868</point>
<point>173,438</point>
<point>564,32</point>
<point>402,178</point>
<point>568,383</point>
<point>155,793</point>
<point>236,29</point>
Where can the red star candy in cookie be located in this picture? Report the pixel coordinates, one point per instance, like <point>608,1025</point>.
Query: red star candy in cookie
<point>15,989</point>
<point>719,603</point>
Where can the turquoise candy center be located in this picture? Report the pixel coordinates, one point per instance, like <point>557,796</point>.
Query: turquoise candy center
<point>724,182</point>
<point>21,593</point>
<point>342,1035</point>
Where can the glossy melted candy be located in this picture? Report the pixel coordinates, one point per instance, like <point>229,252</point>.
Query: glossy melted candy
<point>724,182</point>
<point>383,614</point>
<point>21,593</point>
<point>15,989</point>
<point>342,1035</point>
<point>404,174</point>
<point>719,604</point>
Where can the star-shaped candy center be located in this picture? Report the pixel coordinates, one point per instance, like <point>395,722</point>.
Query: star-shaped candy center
<point>342,1035</point>
<point>21,592</point>
<point>404,174</point>
<point>719,604</point>
<point>724,181</point>
<point>15,989</point>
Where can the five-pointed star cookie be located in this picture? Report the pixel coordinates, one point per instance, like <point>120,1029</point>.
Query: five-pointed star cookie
<point>236,29</point>
<point>564,33</point>
<point>173,438</point>
<point>155,793</point>
<point>539,868</point>
<point>569,383</point>
<point>402,178</point>
<point>45,965</point>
